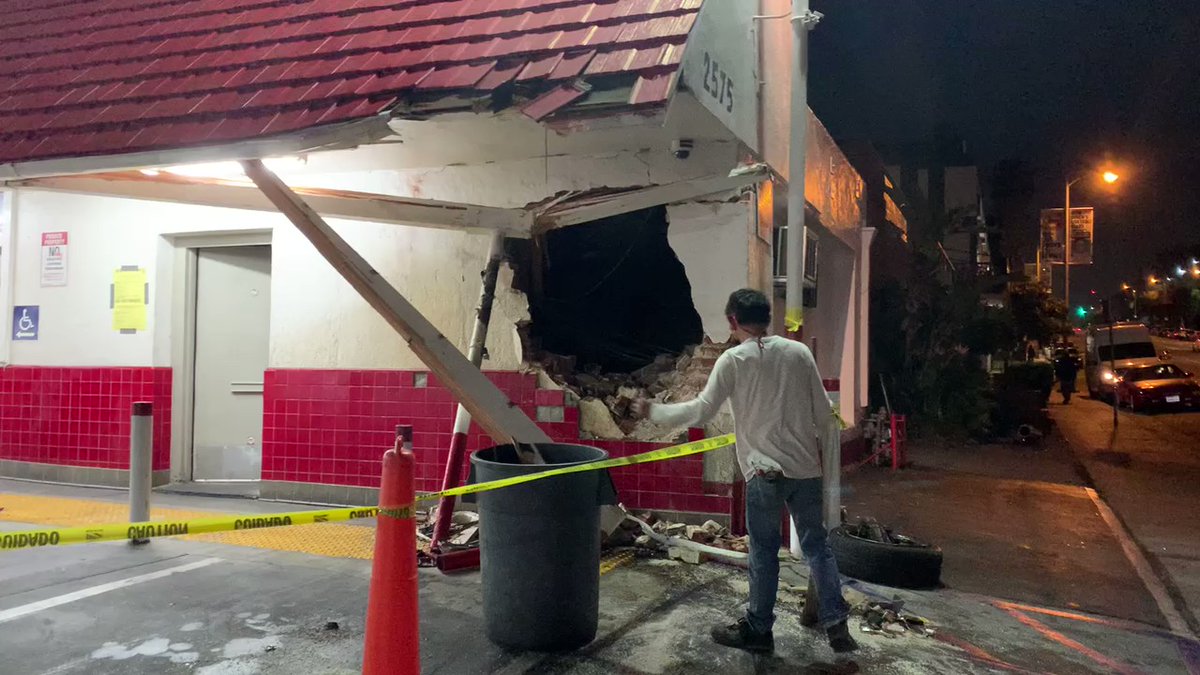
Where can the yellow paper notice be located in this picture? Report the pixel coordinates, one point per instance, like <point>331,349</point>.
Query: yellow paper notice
<point>129,300</point>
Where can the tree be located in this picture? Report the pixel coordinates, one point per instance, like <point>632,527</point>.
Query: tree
<point>926,346</point>
<point>1014,213</point>
<point>1036,314</point>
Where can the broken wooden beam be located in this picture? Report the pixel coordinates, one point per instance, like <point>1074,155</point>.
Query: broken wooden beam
<point>489,406</point>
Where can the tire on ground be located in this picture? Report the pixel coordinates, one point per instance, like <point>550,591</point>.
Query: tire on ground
<point>898,565</point>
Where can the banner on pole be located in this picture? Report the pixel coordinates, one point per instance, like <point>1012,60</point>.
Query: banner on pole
<point>1054,236</point>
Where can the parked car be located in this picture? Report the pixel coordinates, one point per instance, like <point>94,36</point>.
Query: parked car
<point>1131,348</point>
<point>1164,385</point>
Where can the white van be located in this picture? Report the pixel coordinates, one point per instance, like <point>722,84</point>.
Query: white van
<point>1131,346</point>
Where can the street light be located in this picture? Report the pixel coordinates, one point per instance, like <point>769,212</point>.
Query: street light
<point>1126,288</point>
<point>1108,177</point>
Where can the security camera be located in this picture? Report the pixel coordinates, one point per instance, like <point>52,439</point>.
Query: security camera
<point>682,147</point>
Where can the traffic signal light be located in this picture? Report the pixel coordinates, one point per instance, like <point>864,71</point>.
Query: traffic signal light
<point>1081,312</point>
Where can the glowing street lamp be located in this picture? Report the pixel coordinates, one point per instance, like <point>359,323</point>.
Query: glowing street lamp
<point>1109,177</point>
<point>1179,271</point>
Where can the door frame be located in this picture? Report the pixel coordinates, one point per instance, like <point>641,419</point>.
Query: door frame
<point>184,250</point>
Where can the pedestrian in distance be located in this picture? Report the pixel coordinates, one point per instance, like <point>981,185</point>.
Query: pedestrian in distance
<point>781,415</point>
<point>1067,371</point>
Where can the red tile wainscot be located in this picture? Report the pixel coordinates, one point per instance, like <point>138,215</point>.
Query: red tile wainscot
<point>80,416</point>
<point>332,426</point>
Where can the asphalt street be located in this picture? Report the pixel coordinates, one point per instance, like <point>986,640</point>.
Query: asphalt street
<point>1148,470</point>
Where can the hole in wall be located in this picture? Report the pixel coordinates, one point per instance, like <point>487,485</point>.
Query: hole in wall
<point>614,296</point>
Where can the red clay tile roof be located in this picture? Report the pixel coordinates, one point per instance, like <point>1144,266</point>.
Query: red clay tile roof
<point>100,77</point>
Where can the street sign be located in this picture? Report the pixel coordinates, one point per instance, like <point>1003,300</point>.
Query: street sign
<point>25,323</point>
<point>1054,236</point>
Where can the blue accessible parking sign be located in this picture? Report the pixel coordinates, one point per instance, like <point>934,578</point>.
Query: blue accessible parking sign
<point>25,322</point>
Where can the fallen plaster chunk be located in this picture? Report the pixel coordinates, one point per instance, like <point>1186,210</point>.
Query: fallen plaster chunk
<point>611,517</point>
<point>596,419</point>
<point>687,555</point>
<point>468,537</point>
<point>544,381</point>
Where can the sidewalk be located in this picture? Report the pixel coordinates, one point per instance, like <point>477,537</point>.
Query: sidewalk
<point>248,609</point>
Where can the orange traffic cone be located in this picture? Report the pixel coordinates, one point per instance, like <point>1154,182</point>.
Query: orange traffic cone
<point>392,641</point>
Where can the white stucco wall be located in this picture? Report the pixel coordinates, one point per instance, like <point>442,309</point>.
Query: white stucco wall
<point>829,327</point>
<point>712,241</point>
<point>103,234</point>
<point>317,320</point>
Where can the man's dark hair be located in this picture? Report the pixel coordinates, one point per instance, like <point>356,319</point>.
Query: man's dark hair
<point>749,307</point>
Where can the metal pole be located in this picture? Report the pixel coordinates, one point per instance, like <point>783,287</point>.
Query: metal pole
<point>797,154</point>
<point>1112,367</point>
<point>462,418</point>
<point>141,435</point>
<point>1067,250</point>
<point>797,151</point>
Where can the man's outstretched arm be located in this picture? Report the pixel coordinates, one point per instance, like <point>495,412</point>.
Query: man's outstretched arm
<point>702,408</point>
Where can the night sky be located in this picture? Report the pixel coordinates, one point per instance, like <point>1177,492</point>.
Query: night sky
<point>1059,83</point>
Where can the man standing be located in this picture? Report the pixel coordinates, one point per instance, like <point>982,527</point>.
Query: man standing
<point>1067,371</point>
<point>780,409</point>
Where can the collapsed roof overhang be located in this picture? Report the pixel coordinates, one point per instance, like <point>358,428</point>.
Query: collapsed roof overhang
<point>561,211</point>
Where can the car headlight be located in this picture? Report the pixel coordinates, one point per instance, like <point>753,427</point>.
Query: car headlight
<point>1107,376</point>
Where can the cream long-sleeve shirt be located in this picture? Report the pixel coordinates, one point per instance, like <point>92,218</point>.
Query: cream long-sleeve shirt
<point>780,409</point>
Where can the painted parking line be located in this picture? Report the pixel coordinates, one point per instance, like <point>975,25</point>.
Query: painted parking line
<point>48,603</point>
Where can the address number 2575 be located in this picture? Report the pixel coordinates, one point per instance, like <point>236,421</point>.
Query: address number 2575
<point>717,83</point>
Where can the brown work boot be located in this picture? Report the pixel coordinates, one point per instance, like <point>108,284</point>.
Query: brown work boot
<point>810,617</point>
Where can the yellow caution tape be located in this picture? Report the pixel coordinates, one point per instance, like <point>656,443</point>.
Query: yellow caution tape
<point>793,319</point>
<point>693,448</point>
<point>172,528</point>
<point>139,531</point>
<point>837,414</point>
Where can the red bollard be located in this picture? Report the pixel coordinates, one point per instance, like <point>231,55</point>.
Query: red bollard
<point>392,642</point>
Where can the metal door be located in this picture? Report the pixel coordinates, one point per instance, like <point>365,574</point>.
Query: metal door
<point>233,313</point>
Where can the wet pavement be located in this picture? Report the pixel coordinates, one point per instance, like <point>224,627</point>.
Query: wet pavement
<point>188,606</point>
<point>1149,472</point>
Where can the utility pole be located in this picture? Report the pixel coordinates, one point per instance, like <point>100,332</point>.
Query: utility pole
<point>1112,366</point>
<point>804,20</point>
<point>1067,244</point>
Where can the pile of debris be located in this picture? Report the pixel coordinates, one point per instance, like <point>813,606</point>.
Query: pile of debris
<point>633,533</point>
<point>889,619</point>
<point>464,530</point>
<point>605,399</point>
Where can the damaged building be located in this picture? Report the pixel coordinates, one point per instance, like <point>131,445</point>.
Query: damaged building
<point>600,142</point>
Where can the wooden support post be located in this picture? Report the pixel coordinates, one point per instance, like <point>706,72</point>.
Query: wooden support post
<point>502,420</point>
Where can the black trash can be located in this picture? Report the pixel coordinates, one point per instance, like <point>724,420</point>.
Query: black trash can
<point>539,545</point>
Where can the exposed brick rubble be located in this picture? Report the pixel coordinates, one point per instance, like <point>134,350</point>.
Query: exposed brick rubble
<point>605,398</point>
<point>711,533</point>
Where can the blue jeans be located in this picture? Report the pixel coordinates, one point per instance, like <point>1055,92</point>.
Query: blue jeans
<point>764,500</point>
